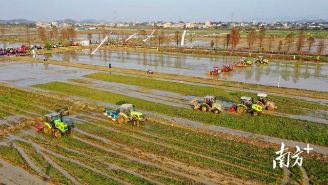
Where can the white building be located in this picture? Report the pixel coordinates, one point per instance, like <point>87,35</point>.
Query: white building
<point>208,23</point>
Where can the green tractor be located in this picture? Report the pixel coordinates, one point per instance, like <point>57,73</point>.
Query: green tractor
<point>246,105</point>
<point>127,113</point>
<point>56,125</point>
<point>208,104</point>
<point>261,60</point>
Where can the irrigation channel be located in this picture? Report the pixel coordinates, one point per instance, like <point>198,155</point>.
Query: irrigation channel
<point>166,149</point>
<point>291,74</point>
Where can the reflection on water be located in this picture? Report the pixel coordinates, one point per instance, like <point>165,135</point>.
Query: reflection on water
<point>304,75</point>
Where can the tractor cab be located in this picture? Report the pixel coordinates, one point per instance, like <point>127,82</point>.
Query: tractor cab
<point>129,111</point>
<point>247,101</point>
<point>260,58</point>
<point>53,118</point>
<point>262,98</point>
<point>210,100</point>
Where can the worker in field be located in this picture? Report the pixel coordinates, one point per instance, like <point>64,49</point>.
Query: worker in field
<point>150,72</point>
<point>109,65</point>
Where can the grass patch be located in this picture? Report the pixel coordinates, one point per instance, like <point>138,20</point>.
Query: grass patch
<point>285,105</point>
<point>276,126</point>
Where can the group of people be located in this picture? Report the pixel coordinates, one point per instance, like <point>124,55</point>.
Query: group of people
<point>13,51</point>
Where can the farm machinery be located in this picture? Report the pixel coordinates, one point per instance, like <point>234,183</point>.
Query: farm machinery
<point>217,70</point>
<point>243,63</point>
<point>246,105</point>
<point>261,60</point>
<point>208,104</point>
<point>125,113</point>
<point>263,101</point>
<point>56,125</point>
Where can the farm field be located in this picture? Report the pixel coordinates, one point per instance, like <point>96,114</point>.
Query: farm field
<point>175,145</point>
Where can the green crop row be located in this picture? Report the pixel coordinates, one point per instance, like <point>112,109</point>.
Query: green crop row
<point>47,168</point>
<point>316,170</point>
<point>296,174</point>
<point>103,156</point>
<point>202,146</point>
<point>83,174</point>
<point>276,126</point>
<point>284,104</point>
<point>10,154</point>
<point>175,154</point>
<point>206,141</point>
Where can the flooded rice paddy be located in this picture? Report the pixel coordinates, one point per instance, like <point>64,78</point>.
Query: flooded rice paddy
<point>291,74</point>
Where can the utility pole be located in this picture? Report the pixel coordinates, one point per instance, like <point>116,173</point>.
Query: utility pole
<point>232,21</point>
<point>114,16</point>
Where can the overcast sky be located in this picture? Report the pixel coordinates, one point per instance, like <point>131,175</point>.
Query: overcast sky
<point>165,10</point>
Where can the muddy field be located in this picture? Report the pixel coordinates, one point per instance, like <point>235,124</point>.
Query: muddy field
<point>176,145</point>
<point>303,75</point>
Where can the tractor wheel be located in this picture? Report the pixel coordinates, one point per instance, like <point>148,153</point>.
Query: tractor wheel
<point>204,108</point>
<point>241,110</point>
<point>136,123</point>
<point>70,131</point>
<point>271,109</point>
<point>121,119</point>
<point>216,111</point>
<point>255,113</point>
<point>58,134</point>
<point>46,130</point>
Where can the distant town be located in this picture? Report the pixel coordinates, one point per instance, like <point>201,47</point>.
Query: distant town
<point>91,25</point>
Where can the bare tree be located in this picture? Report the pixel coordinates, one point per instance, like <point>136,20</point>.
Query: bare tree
<point>217,38</point>
<point>280,46</point>
<point>28,32</point>
<point>227,41</point>
<point>51,34</point>
<point>191,38</point>
<point>144,34</point>
<point>72,33</point>
<point>271,42</point>
<point>90,37</point>
<point>162,37</point>
<point>289,40</point>
<point>42,35</point>
<point>212,43</point>
<point>235,38</point>
<point>311,41</point>
<point>55,32</point>
<point>321,46</point>
<point>300,42</point>
<point>64,35</point>
<point>177,37</point>
<point>156,37</point>
<point>2,31</point>
<point>104,33</point>
<point>251,38</point>
<point>262,35</point>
